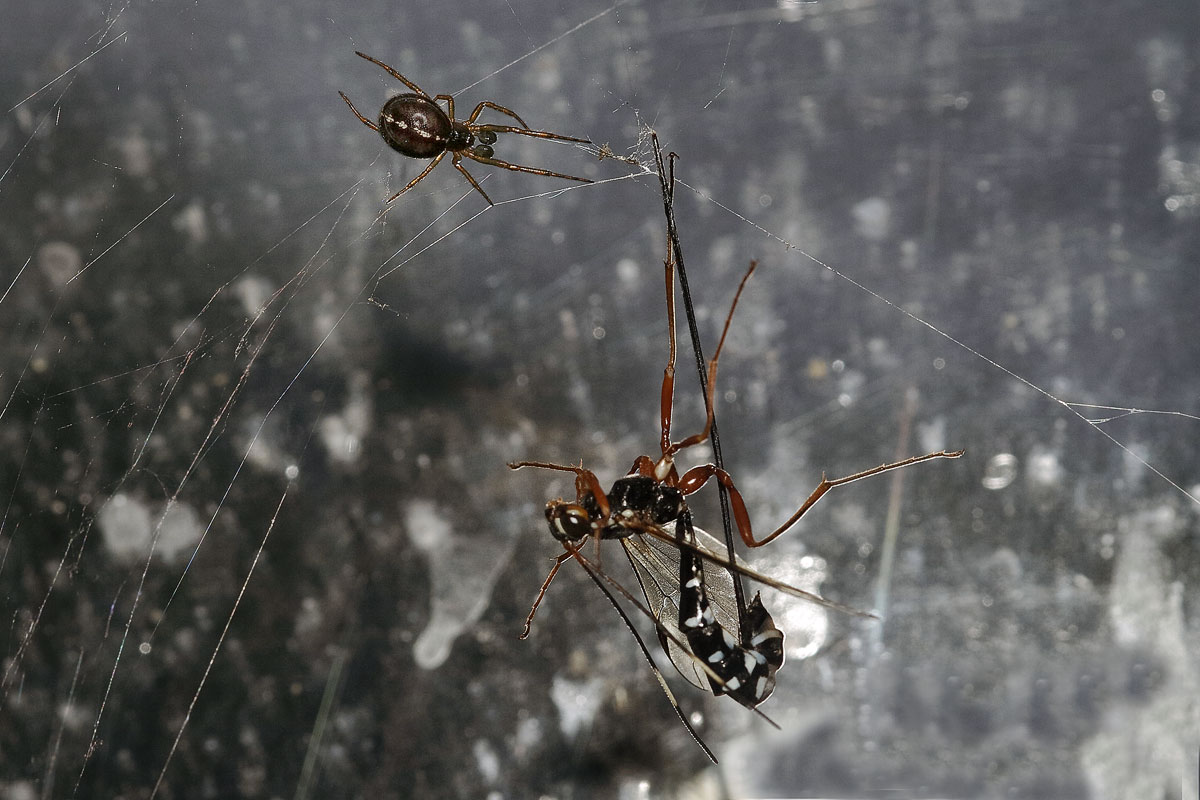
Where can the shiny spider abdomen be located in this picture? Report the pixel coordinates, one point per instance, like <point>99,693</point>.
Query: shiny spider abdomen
<point>414,126</point>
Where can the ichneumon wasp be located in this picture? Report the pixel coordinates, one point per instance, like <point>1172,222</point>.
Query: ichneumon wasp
<point>646,510</point>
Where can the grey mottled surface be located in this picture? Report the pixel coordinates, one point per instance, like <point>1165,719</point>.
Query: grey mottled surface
<point>196,334</point>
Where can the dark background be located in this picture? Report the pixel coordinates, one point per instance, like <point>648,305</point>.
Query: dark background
<point>262,377</point>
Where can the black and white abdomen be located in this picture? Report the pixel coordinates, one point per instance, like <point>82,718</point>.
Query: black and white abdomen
<point>746,673</point>
<point>415,126</point>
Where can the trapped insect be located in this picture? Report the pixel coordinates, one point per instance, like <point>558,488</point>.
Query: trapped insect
<point>414,125</point>
<point>647,512</point>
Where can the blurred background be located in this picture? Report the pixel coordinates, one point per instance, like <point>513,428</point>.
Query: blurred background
<point>257,536</point>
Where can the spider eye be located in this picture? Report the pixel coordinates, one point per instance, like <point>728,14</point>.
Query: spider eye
<point>568,521</point>
<point>486,137</point>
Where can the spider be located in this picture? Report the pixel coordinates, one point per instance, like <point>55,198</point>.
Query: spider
<point>414,125</point>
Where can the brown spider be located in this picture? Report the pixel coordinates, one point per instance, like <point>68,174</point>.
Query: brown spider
<point>414,125</point>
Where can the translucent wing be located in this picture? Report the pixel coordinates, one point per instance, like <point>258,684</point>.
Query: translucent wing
<point>672,634</point>
<point>654,555</point>
<point>655,562</point>
<point>715,558</point>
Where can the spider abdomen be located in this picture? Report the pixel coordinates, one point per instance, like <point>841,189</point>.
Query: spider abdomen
<point>415,126</point>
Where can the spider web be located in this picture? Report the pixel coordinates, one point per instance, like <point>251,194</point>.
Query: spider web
<point>256,533</point>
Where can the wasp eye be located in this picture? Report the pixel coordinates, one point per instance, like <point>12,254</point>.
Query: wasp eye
<point>568,521</point>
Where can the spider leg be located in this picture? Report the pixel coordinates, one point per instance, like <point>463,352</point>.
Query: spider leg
<point>696,477</point>
<point>392,72</point>
<point>475,128</point>
<point>449,103</point>
<point>489,104</point>
<point>458,166</point>
<point>361,118</point>
<point>417,179</point>
<point>495,162</point>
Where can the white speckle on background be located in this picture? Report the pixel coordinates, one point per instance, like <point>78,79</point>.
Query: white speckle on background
<point>461,577</point>
<point>126,527</point>
<point>253,292</point>
<point>181,530</point>
<point>872,218</point>
<point>629,272</point>
<point>487,760</point>
<point>59,262</point>
<point>192,221</point>
<point>577,703</point>
<point>1000,471</point>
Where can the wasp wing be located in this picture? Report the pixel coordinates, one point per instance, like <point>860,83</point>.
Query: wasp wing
<point>654,555</point>
<point>655,562</point>
<point>705,549</point>
<point>664,632</point>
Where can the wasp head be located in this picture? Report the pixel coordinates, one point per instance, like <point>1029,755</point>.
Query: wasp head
<point>569,522</point>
